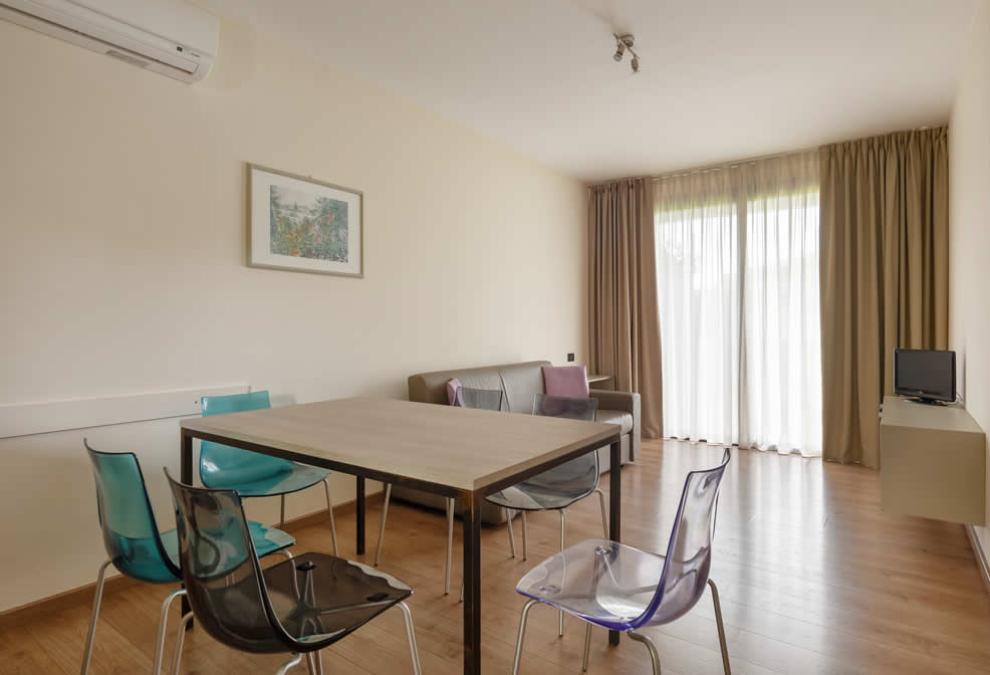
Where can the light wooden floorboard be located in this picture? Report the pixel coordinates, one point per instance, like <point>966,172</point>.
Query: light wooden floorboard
<point>814,577</point>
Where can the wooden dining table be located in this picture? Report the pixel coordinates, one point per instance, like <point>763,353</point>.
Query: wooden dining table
<point>454,452</point>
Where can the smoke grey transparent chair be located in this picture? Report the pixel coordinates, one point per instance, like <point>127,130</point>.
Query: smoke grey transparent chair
<point>622,588</point>
<point>482,399</point>
<point>135,546</point>
<point>561,486</point>
<point>298,607</point>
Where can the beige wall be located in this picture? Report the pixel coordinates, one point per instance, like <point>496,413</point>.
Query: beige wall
<point>969,245</point>
<point>122,207</point>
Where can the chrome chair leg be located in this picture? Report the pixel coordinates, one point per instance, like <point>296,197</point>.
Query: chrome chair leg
<point>180,638</point>
<point>287,554</point>
<point>601,504</point>
<point>314,663</point>
<point>525,547</point>
<point>512,536</point>
<point>281,517</point>
<point>652,648</point>
<point>156,668</point>
<point>411,636</point>
<point>522,633</point>
<point>296,660</point>
<point>381,528</point>
<point>94,617</point>
<point>560,613</point>
<point>449,560</point>
<point>587,648</point>
<point>721,628</point>
<point>333,525</point>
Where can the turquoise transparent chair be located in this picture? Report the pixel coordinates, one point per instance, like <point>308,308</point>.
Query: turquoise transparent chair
<point>298,607</point>
<point>253,474</point>
<point>618,587</point>
<point>135,546</point>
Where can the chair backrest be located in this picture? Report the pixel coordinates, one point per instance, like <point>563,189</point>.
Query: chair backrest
<point>220,569</point>
<point>689,552</point>
<point>130,533</point>
<point>580,475</point>
<point>482,399</point>
<point>221,466</point>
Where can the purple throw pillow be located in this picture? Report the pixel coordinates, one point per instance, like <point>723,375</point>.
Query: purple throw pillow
<point>567,381</point>
<point>454,392</point>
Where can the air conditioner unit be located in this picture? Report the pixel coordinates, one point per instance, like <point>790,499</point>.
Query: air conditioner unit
<point>170,37</point>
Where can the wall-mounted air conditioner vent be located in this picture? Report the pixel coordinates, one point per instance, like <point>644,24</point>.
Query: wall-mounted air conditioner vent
<point>170,37</point>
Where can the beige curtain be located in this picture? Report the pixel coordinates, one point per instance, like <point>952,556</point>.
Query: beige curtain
<point>884,275</point>
<point>622,306</point>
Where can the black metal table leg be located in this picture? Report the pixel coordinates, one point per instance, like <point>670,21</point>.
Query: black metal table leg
<point>615,506</point>
<point>359,502</point>
<point>186,476</point>
<point>471,514</point>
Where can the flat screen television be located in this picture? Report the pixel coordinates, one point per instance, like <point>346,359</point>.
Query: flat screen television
<point>925,374</point>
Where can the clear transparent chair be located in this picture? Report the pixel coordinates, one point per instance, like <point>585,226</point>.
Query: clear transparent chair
<point>135,546</point>
<point>622,588</point>
<point>561,486</point>
<point>298,607</point>
<point>482,399</point>
<point>253,474</point>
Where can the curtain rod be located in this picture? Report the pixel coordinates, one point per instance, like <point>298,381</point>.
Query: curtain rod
<point>731,164</point>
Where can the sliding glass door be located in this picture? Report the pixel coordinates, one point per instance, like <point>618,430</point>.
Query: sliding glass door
<point>737,274</point>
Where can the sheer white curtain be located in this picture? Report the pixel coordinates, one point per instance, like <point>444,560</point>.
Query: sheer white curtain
<point>737,273</point>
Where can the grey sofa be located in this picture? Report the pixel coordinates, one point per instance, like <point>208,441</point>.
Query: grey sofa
<point>520,382</point>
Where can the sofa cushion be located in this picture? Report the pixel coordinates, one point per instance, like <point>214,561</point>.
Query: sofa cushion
<point>566,381</point>
<point>521,383</point>
<point>616,417</point>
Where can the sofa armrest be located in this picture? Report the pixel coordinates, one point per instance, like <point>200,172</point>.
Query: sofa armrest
<point>626,401</point>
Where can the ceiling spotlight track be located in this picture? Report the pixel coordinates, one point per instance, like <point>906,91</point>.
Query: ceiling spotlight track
<point>624,43</point>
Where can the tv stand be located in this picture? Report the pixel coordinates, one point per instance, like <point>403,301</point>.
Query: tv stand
<point>932,461</point>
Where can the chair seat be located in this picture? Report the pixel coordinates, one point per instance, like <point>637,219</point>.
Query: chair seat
<point>298,477</point>
<point>528,497</point>
<point>341,596</point>
<point>603,582</point>
<point>266,540</point>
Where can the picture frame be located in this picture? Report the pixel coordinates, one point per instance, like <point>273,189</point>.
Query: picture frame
<point>299,224</point>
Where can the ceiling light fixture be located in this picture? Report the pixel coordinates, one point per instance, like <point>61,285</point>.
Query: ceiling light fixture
<point>624,43</point>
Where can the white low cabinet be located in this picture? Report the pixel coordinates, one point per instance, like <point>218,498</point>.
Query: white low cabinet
<point>932,461</point>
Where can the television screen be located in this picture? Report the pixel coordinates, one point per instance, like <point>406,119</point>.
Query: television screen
<point>926,374</point>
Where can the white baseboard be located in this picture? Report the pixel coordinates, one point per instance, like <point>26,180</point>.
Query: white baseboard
<point>981,556</point>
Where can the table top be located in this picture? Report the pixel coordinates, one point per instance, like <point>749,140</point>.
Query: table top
<point>459,448</point>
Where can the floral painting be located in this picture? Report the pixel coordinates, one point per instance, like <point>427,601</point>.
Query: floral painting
<point>301,224</point>
<point>308,226</point>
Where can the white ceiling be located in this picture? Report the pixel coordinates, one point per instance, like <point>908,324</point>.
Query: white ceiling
<point>720,79</point>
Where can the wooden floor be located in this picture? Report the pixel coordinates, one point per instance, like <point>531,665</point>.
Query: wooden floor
<point>813,577</point>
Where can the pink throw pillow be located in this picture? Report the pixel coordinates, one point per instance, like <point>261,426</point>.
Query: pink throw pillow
<point>567,381</point>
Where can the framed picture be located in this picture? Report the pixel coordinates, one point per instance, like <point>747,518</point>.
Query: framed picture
<point>300,224</point>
